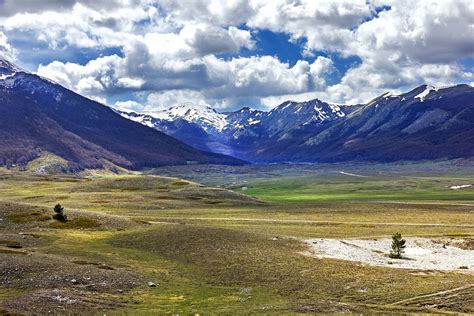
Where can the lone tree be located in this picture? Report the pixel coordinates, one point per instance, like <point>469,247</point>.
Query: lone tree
<point>398,246</point>
<point>59,213</point>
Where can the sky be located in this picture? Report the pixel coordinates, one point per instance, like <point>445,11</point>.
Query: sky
<point>147,55</point>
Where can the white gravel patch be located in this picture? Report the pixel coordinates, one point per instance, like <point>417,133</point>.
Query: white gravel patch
<point>420,253</point>
<point>462,186</point>
<point>352,174</point>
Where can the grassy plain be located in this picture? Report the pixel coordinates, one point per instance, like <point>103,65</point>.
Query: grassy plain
<point>209,250</point>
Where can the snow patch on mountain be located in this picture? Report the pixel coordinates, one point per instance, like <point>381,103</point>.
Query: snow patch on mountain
<point>425,93</point>
<point>7,80</point>
<point>3,77</point>
<point>246,122</point>
<point>390,94</point>
<point>143,119</point>
<point>384,96</point>
<point>8,73</point>
<point>286,105</point>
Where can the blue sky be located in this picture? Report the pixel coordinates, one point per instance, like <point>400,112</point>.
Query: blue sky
<point>281,46</point>
<point>145,55</point>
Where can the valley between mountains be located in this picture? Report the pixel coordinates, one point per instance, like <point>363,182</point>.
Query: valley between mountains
<point>272,242</point>
<point>167,213</point>
<point>241,158</point>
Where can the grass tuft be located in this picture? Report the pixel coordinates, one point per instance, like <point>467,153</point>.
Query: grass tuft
<point>29,217</point>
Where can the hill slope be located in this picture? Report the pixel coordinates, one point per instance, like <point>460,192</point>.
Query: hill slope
<point>39,115</point>
<point>425,123</point>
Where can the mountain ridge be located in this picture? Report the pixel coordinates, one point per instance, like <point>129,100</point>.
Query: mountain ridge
<point>234,130</point>
<point>309,131</point>
<point>39,115</point>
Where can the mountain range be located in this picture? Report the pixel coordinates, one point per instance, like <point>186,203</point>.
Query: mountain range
<point>40,116</point>
<point>242,132</point>
<point>425,123</point>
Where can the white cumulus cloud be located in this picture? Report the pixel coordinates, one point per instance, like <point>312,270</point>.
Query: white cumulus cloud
<point>6,50</point>
<point>166,52</point>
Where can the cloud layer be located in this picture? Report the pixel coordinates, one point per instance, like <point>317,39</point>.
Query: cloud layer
<point>151,54</point>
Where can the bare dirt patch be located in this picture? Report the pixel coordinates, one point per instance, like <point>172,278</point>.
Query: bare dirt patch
<point>44,283</point>
<point>448,254</point>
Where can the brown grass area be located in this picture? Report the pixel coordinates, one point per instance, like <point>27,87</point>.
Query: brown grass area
<point>78,222</point>
<point>235,258</point>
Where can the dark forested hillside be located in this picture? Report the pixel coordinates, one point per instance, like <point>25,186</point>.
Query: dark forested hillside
<point>39,115</point>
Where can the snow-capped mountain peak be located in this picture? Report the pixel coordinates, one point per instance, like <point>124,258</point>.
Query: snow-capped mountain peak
<point>8,68</point>
<point>286,116</point>
<point>14,77</point>
<point>207,117</point>
<point>7,72</point>
<point>314,121</point>
<point>247,109</point>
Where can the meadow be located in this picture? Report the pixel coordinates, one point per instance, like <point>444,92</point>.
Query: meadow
<point>228,240</point>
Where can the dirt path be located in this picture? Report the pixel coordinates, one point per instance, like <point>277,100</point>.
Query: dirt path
<point>415,298</point>
<point>422,203</point>
<point>303,221</point>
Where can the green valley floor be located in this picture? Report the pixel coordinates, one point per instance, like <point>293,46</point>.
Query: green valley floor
<point>233,240</point>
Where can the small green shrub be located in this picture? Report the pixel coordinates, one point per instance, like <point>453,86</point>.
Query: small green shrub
<point>59,213</point>
<point>398,246</point>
